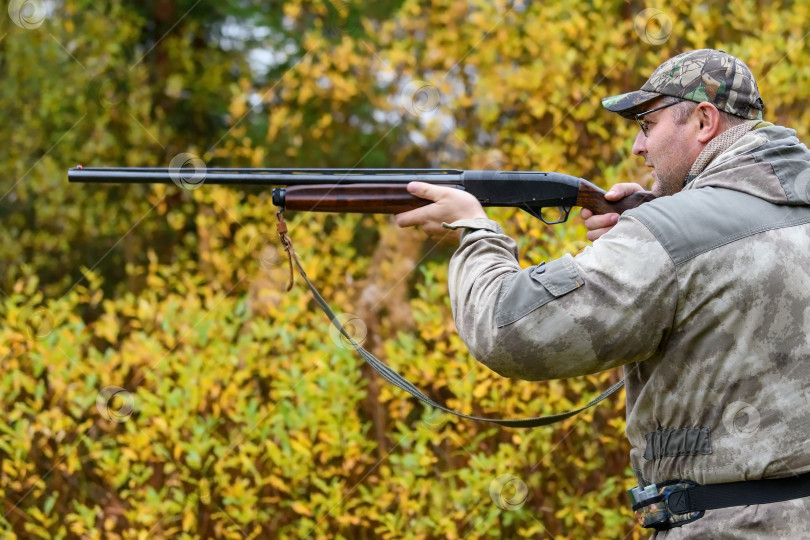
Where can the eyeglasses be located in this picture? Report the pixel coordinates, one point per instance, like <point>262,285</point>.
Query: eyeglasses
<point>643,125</point>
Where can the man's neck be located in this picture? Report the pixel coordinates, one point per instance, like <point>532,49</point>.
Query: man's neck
<point>717,146</point>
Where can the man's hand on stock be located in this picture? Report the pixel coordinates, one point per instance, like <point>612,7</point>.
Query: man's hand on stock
<point>451,204</point>
<point>600,224</point>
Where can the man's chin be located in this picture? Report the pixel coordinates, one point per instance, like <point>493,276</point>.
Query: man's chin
<point>656,187</point>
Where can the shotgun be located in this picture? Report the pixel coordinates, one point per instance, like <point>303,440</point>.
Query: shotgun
<point>382,191</point>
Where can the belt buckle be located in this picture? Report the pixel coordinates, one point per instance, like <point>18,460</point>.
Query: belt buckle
<point>651,505</point>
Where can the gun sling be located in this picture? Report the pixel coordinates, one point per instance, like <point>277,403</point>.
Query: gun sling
<point>395,378</point>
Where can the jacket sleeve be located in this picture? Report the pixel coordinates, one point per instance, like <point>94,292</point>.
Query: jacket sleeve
<point>612,304</point>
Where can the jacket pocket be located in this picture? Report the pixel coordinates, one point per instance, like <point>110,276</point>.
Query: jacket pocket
<point>535,287</point>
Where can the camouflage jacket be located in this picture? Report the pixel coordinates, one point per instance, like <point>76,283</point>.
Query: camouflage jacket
<point>703,297</point>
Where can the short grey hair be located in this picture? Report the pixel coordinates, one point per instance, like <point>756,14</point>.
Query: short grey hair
<point>682,112</point>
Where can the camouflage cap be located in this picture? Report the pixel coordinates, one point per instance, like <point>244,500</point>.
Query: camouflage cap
<point>701,75</point>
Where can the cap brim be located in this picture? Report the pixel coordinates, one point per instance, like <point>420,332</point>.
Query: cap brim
<point>629,103</point>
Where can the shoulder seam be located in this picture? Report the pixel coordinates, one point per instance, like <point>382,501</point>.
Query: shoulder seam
<point>746,234</point>
<point>686,251</point>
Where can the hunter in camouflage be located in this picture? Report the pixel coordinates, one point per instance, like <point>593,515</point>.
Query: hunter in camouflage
<point>703,297</point>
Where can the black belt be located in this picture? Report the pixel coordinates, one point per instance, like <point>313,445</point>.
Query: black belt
<point>713,496</point>
<point>677,502</point>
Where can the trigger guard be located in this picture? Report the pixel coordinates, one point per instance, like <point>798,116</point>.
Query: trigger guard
<point>566,211</point>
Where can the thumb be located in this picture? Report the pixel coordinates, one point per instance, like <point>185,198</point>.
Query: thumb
<point>423,190</point>
<point>616,193</point>
<point>622,190</point>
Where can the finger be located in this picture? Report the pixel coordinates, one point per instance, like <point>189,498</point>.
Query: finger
<point>620,191</point>
<point>423,190</point>
<point>601,221</point>
<point>410,218</point>
<point>596,233</point>
<point>585,214</point>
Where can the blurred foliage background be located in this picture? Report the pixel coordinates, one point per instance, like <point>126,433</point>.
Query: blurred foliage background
<point>157,381</point>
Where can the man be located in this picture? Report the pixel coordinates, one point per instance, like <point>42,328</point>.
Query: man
<point>703,295</point>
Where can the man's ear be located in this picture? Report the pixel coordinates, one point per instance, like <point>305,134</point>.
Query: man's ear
<point>708,120</point>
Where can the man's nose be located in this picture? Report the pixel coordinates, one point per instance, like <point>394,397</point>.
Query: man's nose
<point>640,146</point>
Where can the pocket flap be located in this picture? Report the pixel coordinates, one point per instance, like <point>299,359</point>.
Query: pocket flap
<point>532,288</point>
<point>560,276</point>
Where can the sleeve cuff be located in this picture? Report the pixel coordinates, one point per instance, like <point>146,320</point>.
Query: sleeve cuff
<point>472,225</point>
<point>476,224</point>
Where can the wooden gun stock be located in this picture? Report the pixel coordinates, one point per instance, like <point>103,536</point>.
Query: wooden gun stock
<point>394,198</point>
<point>593,198</point>
<point>357,198</point>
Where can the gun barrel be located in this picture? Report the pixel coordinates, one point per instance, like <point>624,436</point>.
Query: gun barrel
<point>379,190</point>
<point>189,176</point>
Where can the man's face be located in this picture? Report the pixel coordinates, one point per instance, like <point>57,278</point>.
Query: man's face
<point>669,148</point>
